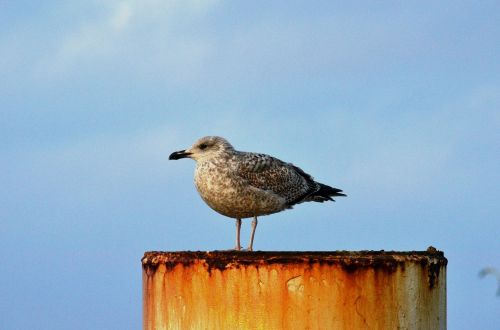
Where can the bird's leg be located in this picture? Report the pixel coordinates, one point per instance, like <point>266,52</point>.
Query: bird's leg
<point>238,227</point>
<point>254,225</point>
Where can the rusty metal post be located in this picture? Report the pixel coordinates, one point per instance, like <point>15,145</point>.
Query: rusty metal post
<point>294,290</point>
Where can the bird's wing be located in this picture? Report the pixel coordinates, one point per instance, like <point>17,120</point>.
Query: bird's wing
<point>268,173</point>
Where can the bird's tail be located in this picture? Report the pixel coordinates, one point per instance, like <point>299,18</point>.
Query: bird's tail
<point>325,193</point>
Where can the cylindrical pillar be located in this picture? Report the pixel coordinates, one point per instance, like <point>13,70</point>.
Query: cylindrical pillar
<point>294,290</point>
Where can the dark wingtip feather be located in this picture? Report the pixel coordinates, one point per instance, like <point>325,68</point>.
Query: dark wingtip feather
<point>328,192</point>
<point>324,194</point>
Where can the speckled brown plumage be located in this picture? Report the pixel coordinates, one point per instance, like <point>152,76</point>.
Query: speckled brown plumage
<point>242,184</point>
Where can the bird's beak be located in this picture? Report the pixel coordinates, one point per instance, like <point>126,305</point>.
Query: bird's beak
<point>179,154</point>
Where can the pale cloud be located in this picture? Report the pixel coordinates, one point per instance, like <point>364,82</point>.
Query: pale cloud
<point>130,27</point>
<point>121,16</point>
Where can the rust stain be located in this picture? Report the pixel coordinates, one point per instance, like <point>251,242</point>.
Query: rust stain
<point>349,260</point>
<point>294,290</point>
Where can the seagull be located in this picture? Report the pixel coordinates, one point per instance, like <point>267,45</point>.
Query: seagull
<point>494,272</point>
<point>243,185</point>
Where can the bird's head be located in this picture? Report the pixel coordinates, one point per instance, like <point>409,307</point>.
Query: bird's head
<point>205,148</point>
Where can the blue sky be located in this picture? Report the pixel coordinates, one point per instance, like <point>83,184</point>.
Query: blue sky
<point>397,103</point>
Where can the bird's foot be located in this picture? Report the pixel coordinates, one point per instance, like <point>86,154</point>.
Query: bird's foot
<point>232,250</point>
<point>238,250</point>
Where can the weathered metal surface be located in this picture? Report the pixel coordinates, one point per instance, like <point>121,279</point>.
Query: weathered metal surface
<point>294,290</point>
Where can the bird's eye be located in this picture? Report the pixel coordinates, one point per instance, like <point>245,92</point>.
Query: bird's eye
<point>203,146</point>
